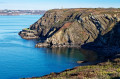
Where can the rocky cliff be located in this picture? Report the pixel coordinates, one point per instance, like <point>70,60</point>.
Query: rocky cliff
<point>75,27</point>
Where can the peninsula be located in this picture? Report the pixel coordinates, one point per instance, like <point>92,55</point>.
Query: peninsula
<point>21,12</point>
<point>75,28</point>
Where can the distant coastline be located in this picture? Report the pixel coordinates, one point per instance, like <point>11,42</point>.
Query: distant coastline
<point>7,12</point>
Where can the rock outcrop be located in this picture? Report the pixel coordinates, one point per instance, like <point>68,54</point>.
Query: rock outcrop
<point>75,27</point>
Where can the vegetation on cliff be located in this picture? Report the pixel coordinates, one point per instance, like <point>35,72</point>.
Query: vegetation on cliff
<point>74,27</point>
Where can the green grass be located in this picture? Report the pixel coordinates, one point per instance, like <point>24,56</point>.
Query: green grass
<point>26,29</point>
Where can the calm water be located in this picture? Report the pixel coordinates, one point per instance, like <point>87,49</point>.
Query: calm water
<point>19,58</point>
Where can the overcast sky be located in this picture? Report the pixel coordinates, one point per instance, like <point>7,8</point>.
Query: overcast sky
<point>52,4</point>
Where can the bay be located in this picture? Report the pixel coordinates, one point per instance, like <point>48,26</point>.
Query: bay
<point>20,59</point>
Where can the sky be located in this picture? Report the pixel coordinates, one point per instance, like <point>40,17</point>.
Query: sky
<point>55,4</point>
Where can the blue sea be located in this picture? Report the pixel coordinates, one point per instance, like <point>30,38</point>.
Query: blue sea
<point>20,59</point>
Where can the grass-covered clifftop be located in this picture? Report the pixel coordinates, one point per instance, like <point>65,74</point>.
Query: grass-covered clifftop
<point>72,27</point>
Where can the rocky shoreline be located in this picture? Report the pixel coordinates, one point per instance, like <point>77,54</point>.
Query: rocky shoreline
<point>39,45</point>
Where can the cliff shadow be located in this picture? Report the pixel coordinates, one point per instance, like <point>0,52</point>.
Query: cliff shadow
<point>107,45</point>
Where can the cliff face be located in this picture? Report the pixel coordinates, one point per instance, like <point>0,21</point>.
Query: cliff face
<point>75,27</point>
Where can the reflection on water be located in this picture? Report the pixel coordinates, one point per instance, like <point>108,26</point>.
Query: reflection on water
<point>89,55</point>
<point>76,53</point>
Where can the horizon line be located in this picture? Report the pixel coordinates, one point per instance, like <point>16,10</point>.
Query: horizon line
<point>68,8</point>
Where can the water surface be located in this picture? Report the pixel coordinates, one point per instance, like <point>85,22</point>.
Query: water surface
<point>19,58</point>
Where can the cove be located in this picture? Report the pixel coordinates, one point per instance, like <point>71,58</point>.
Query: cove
<point>20,59</point>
